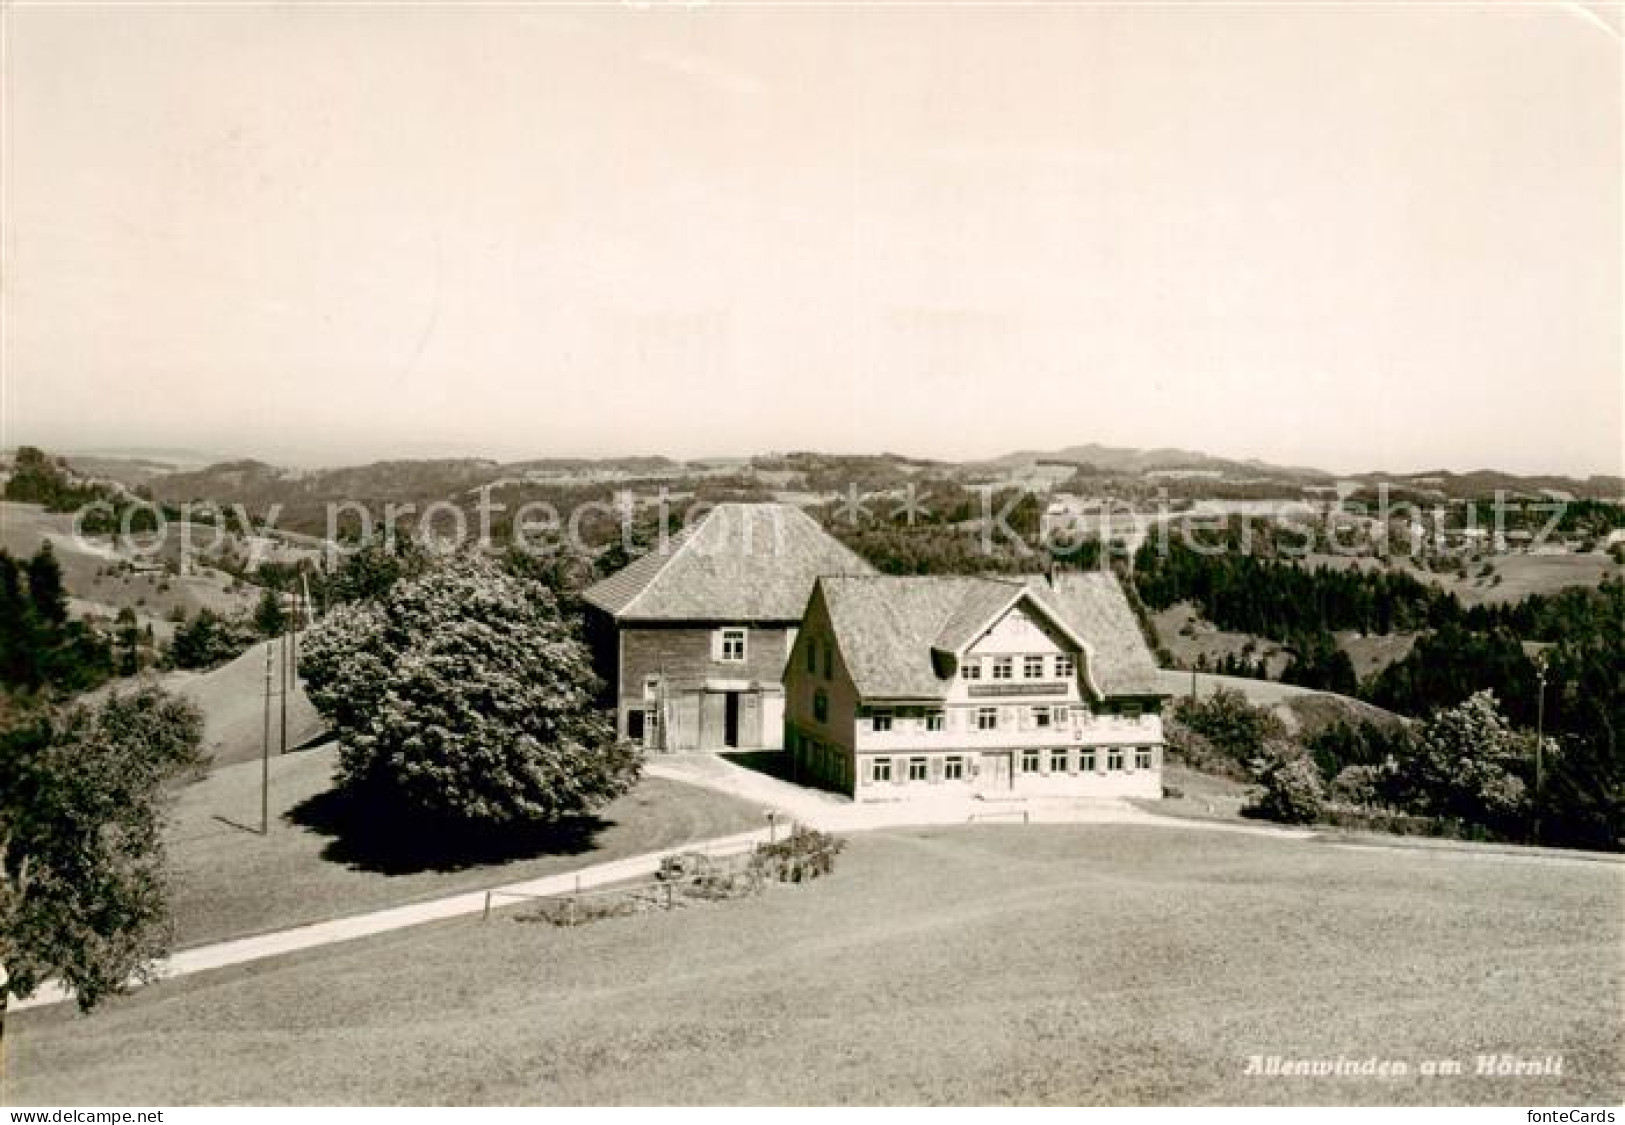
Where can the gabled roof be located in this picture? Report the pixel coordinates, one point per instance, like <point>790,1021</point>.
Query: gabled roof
<point>887,628</point>
<point>1094,605</point>
<point>894,631</point>
<point>740,562</point>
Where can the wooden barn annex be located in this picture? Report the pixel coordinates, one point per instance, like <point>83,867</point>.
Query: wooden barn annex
<point>692,638</point>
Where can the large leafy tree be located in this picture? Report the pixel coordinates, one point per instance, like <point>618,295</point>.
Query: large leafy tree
<point>1462,765</point>
<point>462,692</point>
<point>82,897</point>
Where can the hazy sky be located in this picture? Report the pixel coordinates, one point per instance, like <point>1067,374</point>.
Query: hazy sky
<point>1349,237</point>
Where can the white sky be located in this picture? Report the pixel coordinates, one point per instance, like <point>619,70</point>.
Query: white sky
<point>1348,237</point>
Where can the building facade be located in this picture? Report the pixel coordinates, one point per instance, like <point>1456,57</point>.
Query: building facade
<point>903,687</point>
<point>693,637</point>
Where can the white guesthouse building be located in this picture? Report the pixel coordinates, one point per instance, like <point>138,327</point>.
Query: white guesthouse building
<point>901,687</point>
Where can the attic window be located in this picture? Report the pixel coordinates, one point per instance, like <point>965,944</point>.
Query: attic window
<point>732,646</point>
<point>1003,667</point>
<point>812,655</point>
<point>1063,666</point>
<point>972,669</point>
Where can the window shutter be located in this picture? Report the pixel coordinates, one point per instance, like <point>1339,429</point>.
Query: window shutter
<point>936,770</point>
<point>899,770</point>
<point>716,645</point>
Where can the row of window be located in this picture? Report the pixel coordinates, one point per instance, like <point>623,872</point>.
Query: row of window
<point>1061,760</point>
<point>1058,666</point>
<point>1041,716</point>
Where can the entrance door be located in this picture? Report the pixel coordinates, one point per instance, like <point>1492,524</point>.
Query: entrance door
<point>996,776</point>
<point>730,719</point>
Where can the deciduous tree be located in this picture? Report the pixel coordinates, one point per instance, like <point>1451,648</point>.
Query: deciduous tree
<point>83,897</point>
<point>464,693</point>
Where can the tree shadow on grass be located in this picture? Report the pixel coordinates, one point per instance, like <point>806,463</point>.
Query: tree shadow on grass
<point>366,838</point>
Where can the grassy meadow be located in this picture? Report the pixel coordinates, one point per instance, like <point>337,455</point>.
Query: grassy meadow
<point>1002,964</point>
<point>228,881</point>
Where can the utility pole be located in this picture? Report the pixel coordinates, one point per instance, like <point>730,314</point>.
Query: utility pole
<point>284,692</point>
<point>5,1002</point>
<point>1540,738</point>
<point>265,752</point>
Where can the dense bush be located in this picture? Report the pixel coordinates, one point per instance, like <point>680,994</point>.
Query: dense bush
<point>1197,752</point>
<point>207,641</point>
<point>1234,728</point>
<point>804,854</point>
<point>1291,792</point>
<point>1361,786</point>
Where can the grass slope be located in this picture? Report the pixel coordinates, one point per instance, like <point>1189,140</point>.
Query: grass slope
<point>1048,964</point>
<point>232,699</point>
<point>227,882</point>
<point>1185,634</point>
<point>1303,710</point>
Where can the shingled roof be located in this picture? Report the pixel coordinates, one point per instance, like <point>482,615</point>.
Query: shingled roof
<point>895,632</point>
<point>1096,608</point>
<point>740,562</point>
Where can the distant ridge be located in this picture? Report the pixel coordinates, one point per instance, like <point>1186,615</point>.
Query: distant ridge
<point>1126,459</point>
<point>257,483</point>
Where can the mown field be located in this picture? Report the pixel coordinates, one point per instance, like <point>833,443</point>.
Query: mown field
<point>92,576</point>
<point>1002,964</point>
<point>1520,574</point>
<point>317,864</point>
